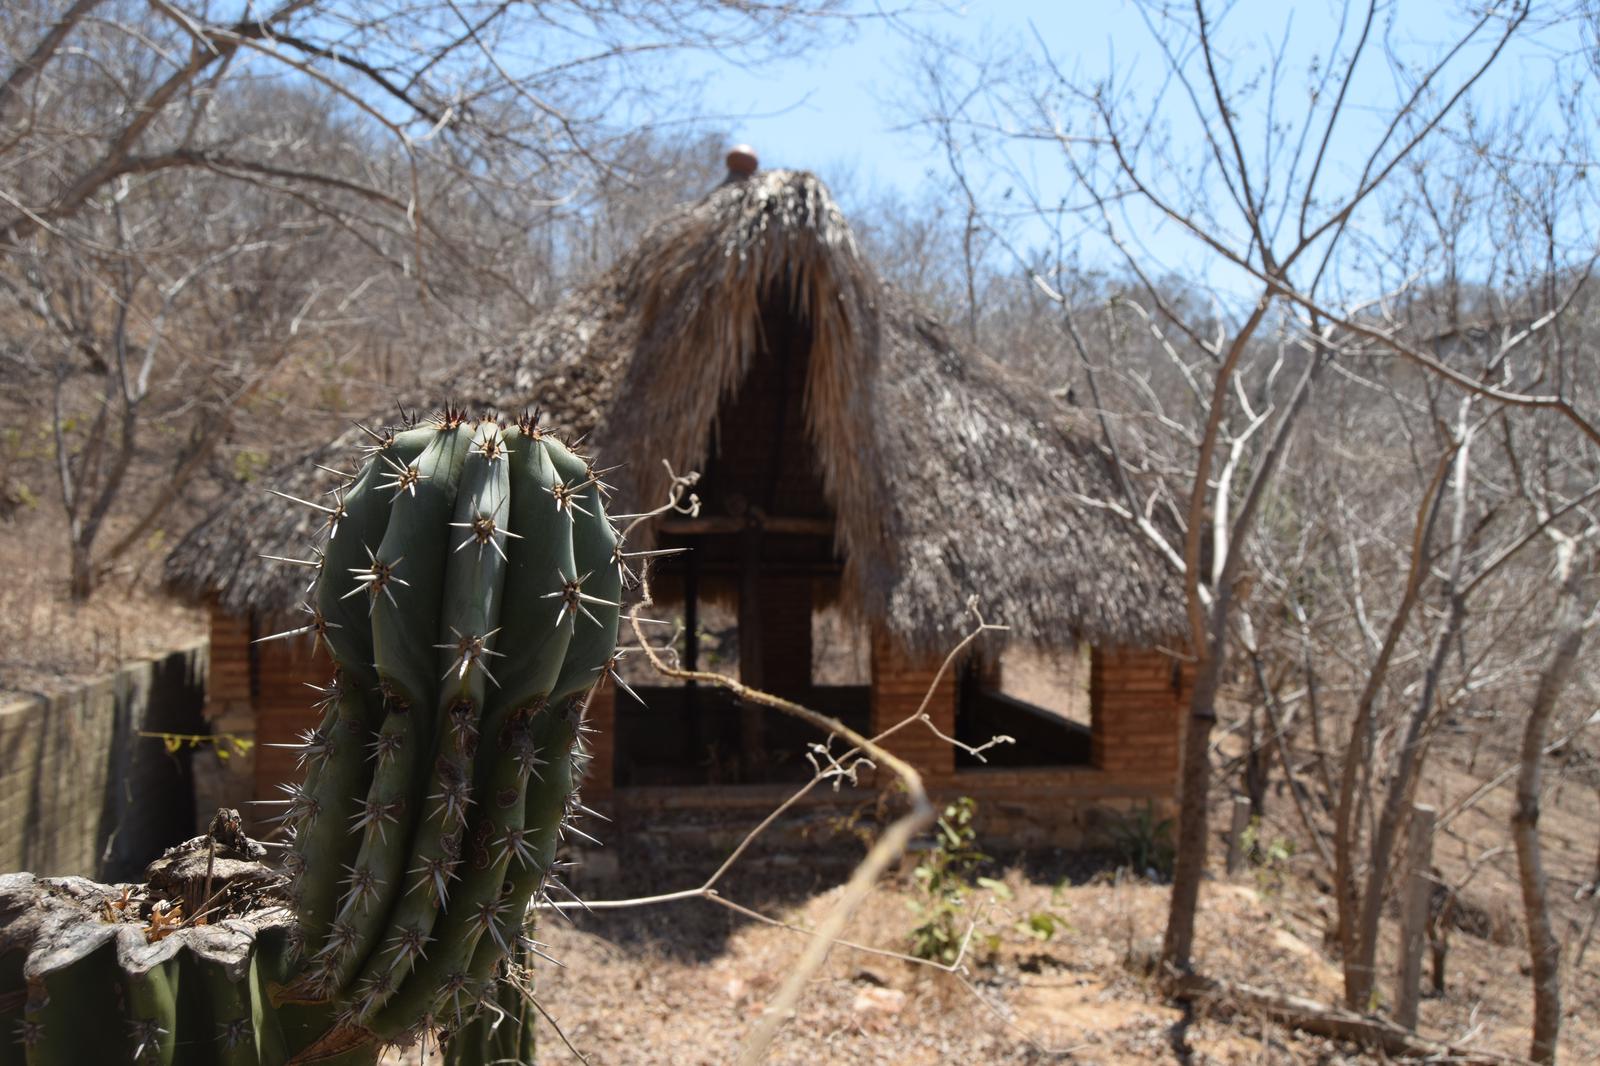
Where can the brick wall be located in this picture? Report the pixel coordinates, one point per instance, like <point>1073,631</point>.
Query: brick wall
<point>258,693</point>
<point>229,709</point>
<point>899,683</point>
<point>229,684</point>
<point>1138,695</point>
<point>80,791</point>
<point>283,707</point>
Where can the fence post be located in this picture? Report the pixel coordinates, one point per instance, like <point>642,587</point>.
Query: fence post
<point>1414,914</point>
<point>1241,822</point>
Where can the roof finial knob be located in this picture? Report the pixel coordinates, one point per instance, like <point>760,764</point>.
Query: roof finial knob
<point>742,162</point>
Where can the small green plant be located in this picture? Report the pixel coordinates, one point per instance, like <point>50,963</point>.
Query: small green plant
<point>249,464</point>
<point>945,878</point>
<point>1039,926</point>
<point>1269,856</point>
<point>15,494</point>
<point>1144,843</point>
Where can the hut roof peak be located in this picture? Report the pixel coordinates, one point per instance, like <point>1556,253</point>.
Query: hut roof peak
<point>742,162</point>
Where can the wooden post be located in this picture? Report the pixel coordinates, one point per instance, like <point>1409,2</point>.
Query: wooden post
<point>1414,914</point>
<point>1241,822</point>
<point>752,656</point>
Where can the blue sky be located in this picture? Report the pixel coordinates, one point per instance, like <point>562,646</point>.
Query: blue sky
<point>838,110</point>
<point>841,109</point>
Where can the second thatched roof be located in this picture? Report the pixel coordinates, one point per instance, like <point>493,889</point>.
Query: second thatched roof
<point>948,475</point>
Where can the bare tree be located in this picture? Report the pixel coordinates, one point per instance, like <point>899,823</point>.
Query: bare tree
<point>1316,251</point>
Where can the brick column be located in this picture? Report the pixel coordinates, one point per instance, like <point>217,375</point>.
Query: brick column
<point>229,709</point>
<point>599,778</point>
<point>899,683</point>
<point>284,706</point>
<point>1136,719</point>
<point>228,679</point>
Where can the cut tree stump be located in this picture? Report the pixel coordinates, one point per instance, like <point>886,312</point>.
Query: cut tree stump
<point>1236,831</point>
<point>1414,915</point>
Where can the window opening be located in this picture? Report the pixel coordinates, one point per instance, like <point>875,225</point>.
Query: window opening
<point>1042,700</point>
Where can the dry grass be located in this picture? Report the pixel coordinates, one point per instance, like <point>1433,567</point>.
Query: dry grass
<point>682,984</point>
<point>47,643</point>
<point>680,988</point>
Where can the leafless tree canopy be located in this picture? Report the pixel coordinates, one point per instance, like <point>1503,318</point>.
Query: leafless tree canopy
<point>201,202</point>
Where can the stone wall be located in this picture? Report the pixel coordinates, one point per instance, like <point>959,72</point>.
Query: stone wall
<point>81,792</point>
<point>661,829</point>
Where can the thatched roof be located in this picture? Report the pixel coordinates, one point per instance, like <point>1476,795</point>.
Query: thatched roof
<point>949,476</point>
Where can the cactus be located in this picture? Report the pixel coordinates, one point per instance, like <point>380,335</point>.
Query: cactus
<point>468,592</point>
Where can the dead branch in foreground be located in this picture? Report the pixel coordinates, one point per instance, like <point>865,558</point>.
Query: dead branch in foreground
<point>1310,1016</point>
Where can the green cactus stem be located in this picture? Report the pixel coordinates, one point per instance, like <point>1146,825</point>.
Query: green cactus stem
<point>468,591</point>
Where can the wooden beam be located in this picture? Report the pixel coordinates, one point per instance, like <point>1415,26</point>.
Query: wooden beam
<point>752,656</point>
<point>724,524</point>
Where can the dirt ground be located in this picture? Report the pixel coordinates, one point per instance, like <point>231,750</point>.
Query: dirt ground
<point>683,984</point>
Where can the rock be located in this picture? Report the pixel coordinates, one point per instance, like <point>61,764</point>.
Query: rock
<point>878,1003</point>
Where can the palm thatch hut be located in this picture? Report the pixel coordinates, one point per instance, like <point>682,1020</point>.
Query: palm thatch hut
<point>855,457</point>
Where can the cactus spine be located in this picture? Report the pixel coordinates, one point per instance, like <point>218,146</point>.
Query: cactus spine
<point>469,594</point>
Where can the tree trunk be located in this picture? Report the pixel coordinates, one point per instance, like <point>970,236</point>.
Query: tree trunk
<point>1543,950</point>
<point>1256,769</point>
<point>1360,971</point>
<point>1440,918</point>
<point>1189,867</point>
<point>1594,879</point>
<point>82,582</point>
<point>1358,751</point>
